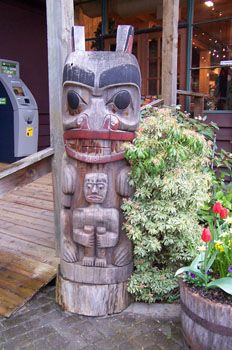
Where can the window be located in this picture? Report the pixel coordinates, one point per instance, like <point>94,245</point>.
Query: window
<point>212,54</point>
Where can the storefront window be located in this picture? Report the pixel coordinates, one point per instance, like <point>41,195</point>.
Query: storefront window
<point>211,10</point>
<point>212,55</point>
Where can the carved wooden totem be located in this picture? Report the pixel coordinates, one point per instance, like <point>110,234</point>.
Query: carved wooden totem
<point>101,111</point>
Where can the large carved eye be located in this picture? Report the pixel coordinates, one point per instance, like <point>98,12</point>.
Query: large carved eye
<point>73,99</point>
<point>122,99</point>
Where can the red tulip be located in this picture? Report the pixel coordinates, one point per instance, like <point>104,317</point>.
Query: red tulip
<point>217,208</point>
<point>224,213</point>
<point>206,235</point>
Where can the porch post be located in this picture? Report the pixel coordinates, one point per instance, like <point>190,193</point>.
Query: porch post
<point>60,19</point>
<point>169,51</point>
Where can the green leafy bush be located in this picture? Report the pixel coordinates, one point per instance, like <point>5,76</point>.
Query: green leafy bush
<point>169,160</point>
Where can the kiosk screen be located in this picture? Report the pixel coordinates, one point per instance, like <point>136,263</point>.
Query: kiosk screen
<point>8,68</point>
<point>18,91</point>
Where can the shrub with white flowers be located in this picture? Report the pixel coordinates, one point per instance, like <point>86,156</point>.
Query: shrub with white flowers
<point>169,174</point>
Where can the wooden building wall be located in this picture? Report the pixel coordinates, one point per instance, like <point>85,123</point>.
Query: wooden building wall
<point>90,25</point>
<point>24,38</point>
<point>224,135</point>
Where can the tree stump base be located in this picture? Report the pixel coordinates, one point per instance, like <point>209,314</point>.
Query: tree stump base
<point>92,300</point>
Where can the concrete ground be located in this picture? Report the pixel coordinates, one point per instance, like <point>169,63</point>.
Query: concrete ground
<point>42,325</point>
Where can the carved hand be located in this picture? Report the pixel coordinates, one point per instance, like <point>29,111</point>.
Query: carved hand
<point>84,238</point>
<point>101,230</point>
<point>106,240</point>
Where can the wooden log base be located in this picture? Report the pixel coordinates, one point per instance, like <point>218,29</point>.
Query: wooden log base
<point>92,300</point>
<point>95,275</point>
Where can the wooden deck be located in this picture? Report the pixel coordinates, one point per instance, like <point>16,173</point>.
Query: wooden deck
<point>27,243</point>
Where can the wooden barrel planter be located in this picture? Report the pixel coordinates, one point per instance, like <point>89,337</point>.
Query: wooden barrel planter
<point>206,325</point>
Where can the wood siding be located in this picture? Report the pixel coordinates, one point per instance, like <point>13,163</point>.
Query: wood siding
<point>224,135</point>
<point>24,39</point>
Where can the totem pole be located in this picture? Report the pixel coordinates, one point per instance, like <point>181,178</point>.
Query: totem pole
<point>101,111</point>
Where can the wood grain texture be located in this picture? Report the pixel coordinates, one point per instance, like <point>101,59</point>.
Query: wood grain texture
<point>31,211</point>
<point>96,275</point>
<point>204,322</point>
<point>169,51</point>
<point>27,240</point>
<point>60,20</point>
<point>92,300</point>
<point>20,279</point>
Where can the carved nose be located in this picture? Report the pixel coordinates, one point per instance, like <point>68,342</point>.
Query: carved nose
<point>82,122</point>
<point>111,122</point>
<point>94,189</point>
<point>97,113</point>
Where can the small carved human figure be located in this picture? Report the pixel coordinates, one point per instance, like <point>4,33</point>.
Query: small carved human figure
<point>95,227</point>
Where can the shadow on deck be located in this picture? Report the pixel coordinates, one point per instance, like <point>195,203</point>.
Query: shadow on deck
<point>27,243</point>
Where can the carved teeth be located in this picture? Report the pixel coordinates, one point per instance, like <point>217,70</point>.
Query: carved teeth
<point>116,146</point>
<point>78,147</point>
<point>106,151</point>
<point>73,144</point>
<point>95,147</point>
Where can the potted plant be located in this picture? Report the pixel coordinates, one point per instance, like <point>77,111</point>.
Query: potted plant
<point>206,287</point>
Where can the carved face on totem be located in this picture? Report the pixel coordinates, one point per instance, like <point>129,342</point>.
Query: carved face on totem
<point>95,187</point>
<point>101,99</point>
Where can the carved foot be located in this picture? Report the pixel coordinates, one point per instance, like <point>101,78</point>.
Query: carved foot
<point>100,262</point>
<point>70,251</point>
<point>88,261</point>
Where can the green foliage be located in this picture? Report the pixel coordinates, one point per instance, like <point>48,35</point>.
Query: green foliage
<point>222,283</point>
<point>215,259</point>
<point>168,160</point>
<point>207,130</point>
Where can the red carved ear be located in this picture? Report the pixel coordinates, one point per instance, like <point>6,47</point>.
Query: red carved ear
<point>130,44</point>
<point>125,36</point>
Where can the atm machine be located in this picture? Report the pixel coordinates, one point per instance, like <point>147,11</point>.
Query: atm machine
<point>18,115</point>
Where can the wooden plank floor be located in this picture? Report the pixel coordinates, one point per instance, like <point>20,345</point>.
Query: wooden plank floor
<point>27,243</point>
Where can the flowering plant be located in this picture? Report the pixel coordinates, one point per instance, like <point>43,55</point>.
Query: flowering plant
<point>212,267</point>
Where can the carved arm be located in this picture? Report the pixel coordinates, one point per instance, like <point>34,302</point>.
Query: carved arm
<point>68,185</point>
<point>122,186</point>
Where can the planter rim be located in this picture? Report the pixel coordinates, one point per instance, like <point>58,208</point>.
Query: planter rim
<point>210,326</point>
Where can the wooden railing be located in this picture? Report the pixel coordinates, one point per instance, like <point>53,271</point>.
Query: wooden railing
<point>198,99</point>
<point>155,103</point>
<point>25,170</point>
